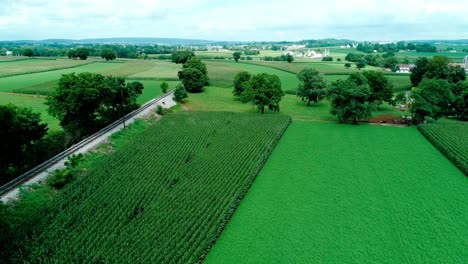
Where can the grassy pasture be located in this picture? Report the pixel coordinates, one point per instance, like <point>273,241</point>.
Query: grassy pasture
<point>221,99</point>
<point>162,70</point>
<point>152,89</point>
<point>323,67</point>
<point>166,200</point>
<point>222,73</point>
<point>34,102</point>
<point>333,193</point>
<point>9,84</point>
<point>26,66</point>
<point>456,57</point>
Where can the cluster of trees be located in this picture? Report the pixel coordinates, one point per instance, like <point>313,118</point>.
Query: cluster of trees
<point>368,47</point>
<point>81,53</point>
<point>440,89</point>
<point>21,131</point>
<point>356,97</point>
<point>87,102</point>
<point>327,58</point>
<point>251,52</point>
<point>182,56</point>
<point>95,50</point>
<point>236,55</point>
<point>194,75</point>
<point>284,57</point>
<point>108,54</point>
<point>263,90</point>
<point>387,60</point>
<point>351,99</point>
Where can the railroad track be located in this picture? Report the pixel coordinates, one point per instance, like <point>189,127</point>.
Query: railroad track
<point>6,188</point>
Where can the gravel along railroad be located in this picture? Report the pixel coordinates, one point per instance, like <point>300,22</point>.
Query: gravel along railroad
<point>39,173</point>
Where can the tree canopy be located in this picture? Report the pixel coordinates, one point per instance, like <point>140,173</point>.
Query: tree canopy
<point>381,88</point>
<point>361,63</point>
<point>181,56</point>
<point>311,85</point>
<point>194,75</point>
<point>264,90</point>
<point>20,130</point>
<point>241,81</point>
<point>236,55</point>
<point>349,100</point>
<point>432,98</point>
<point>108,54</point>
<point>86,102</point>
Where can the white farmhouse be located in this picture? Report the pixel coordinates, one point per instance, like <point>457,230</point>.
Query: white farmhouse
<point>405,68</point>
<point>9,53</point>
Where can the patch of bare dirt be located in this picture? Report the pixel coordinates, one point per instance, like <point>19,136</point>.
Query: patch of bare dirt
<point>389,120</point>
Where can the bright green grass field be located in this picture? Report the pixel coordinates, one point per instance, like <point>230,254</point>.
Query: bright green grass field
<point>152,89</point>
<point>333,193</point>
<point>8,68</point>
<point>221,99</point>
<point>164,70</point>
<point>221,73</point>
<point>34,102</point>
<point>8,84</point>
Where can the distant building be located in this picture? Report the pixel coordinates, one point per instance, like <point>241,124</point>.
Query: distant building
<point>405,68</point>
<point>9,53</point>
<point>465,63</point>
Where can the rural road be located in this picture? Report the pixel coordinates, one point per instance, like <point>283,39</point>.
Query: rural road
<point>165,102</point>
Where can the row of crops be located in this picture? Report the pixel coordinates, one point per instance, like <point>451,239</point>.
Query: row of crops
<point>451,138</point>
<point>163,197</point>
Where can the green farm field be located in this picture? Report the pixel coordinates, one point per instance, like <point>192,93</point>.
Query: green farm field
<point>221,99</point>
<point>25,66</point>
<point>333,193</point>
<point>221,73</point>
<point>166,200</point>
<point>34,102</point>
<point>11,83</point>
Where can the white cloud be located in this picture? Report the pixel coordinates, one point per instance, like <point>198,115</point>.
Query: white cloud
<point>234,20</point>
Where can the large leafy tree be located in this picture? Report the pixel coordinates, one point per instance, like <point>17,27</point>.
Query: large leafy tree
<point>311,85</point>
<point>108,54</point>
<point>349,100</point>
<point>86,102</point>
<point>196,63</point>
<point>381,88</point>
<point>241,81</point>
<point>361,63</point>
<point>237,55</point>
<point>20,130</point>
<point>182,56</point>
<point>192,79</point>
<point>432,98</point>
<point>417,73</point>
<point>28,52</point>
<point>265,91</point>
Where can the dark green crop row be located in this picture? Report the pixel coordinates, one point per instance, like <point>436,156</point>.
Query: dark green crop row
<point>451,139</point>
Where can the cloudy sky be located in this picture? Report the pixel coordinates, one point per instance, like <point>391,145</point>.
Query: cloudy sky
<point>235,20</point>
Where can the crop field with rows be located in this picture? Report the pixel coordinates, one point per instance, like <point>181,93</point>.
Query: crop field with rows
<point>332,193</point>
<point>163,196</point>
<point>451,138</point>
